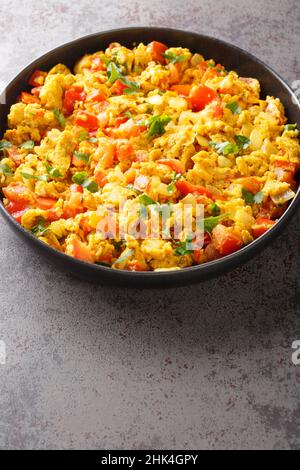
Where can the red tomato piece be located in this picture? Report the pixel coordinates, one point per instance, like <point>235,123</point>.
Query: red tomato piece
<point>27,98</point>
<point>81,251</point>
<point>87,120</point>
<point>118,87</point>
<point>37,79</point>
<point>182,89</point>
<point>96,96</point>
<point>261,226</point>
<point>157,50</point>
<point>226,240</point>
<point>200,96</point>
<point>250,183</point>
<point>76,188</point>
<point>73,94</point>
<point>17,192</point>
<point>185,188</point>
<point>45,202</point>
<point>175,165</point>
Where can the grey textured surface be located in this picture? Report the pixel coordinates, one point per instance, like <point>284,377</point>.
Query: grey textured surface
<point>207,366</point>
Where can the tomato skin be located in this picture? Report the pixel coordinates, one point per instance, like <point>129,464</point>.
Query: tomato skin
<point>27,98</point>
<point>200,96</point>
<point>120,120</point>
<point>96,96</point>
<point>250,183</point>
<point>182,89</point>
<point>81,251</point>
<point>261,226</point>
<point>124,150</point>
<point>45,202</point>
<point>17,209</point>
<point>76,188</point>
<point>118,87</point>
<point>36,91</point>
<point>87,120</point>
<point>97,64</point>
<point>156,50</point>
<point>17,192</point>
<point>175,165</point>
<point>100,178</point>
<point>137,266</point>
<point>73,94</point>
<point>37,79</point>
<point>226,240</point>
<point>185,188</point>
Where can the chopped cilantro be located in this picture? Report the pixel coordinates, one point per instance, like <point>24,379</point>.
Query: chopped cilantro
<point>174,58</point>
<point>28,145</point>
<point>146,200</point>
<point>82,156</point>
<point>157,124</point>
<point>40,227</point>
<point>5,169</point>
<point>5,144</point>
<point>290,127</point>
<point>234,107</point>
<point>242,141</point>
<point>59,117</point>
<point>52,171</point>
<point>215,209</point>
<point>211,222</point>
<point>29,176</point>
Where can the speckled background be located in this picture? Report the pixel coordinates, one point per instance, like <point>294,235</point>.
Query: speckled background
<point>207,366</point>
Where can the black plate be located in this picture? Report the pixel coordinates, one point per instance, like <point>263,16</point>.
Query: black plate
<point>232,58</point>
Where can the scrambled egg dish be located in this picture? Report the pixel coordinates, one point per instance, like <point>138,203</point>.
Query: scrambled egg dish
<point>155,125</point>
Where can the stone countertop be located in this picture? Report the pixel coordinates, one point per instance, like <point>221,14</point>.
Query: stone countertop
<point>206,366</point>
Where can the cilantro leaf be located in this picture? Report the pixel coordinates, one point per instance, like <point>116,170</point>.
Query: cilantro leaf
<point>258,197</point>
<point>59,117</point>
<point>224,148</point>
<point>52,171</point>
<point>171,185</point>
<point>242,141</point>
<point>157,124</point>
<point>174,58</point>
<point>182,247</point>
<point>5,144</point>
<point>40,227</point>
<point>215,209</point>
<point>82,156</point>
<point>146,200</point>
<point>5,169</point>
<point>79,177</point>
<point>28,145</point>
<point>234,107</point>
<point>90,185</point>
<point>290,127</point>
<point>124,257</point>
<point>29,176</point>
<point>247,196</point>
<point>210,223</point>
<point>115,73</point>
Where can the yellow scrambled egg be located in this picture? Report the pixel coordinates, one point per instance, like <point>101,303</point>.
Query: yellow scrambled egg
<point>155,126</point>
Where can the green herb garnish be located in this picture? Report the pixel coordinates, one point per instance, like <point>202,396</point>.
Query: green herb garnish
<point>28,145</point>
<point>115,73</point>
<point>90,185</point>
<point>124,257</point>
<point>242,141</point>
<point>59,117</point>
<point>171,185</point>
<point>258,197</point>
<point>5,169</point>
<point>5,144</point>
<point>174,58</point>
<point>290,127</point>
<point>82,156</point>
<point>182,247</point>
<point>52,171</point>
<point>146,200</point>
<point>157,124</point>
<point>40,228</point>
<point>29,176</point>
<point>224,148</point>
<point>209,223</point>
<point>250,198</point>
<point>79,177</point>
<point>215,209</point>
<point>234,107</point>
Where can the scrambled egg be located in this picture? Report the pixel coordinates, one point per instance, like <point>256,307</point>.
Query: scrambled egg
<point>160,128</point>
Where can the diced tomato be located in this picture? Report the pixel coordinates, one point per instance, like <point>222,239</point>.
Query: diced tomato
<point>87,120</point>
<point>19,214</point>
<point>100,178</point>
<point>13,153</point>
<point>127,130</point>
<point>174,69</point>
<point>261,226</point>
<point>175,165</point>
<point>106,154</point>
<point>227,91</point>
<point>73,94</point>
<point>211,253</point>
<point>85,226</point>
<point>17,192</point>
<point>198,255</point>
<point>118,87</point>
<point>45,202</point>
<point>96,96</point>
<point>157,50</point>
<point>202,66</point>
<point>106,258</point>
<point>217,109</point>
<point>17,209</point>
<point>182,89</point>
<point>36,91</point>
<point>141,183</point>
<point>120,120</point>
<point>98,64</point>
<point>286,171</point>
<point>137,266</point>
<point>124,150</point>
<point>37,79</point>
<point>81,251</point>
<point>52,215</point>
<point>27,98</point>
<point>226,240</point>
<point>286,165</point>
<point>200,96</point>
<point>76,188</point>
<point>185,188</point>
<point>130,175</point>
<point>250,183</point>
